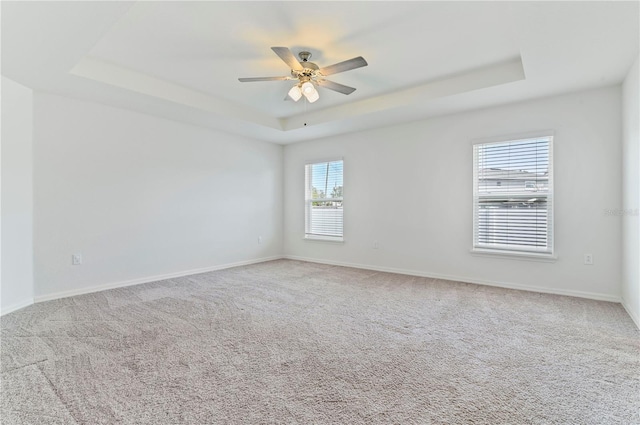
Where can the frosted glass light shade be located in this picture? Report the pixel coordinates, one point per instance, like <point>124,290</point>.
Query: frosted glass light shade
<point>313,96</point>
<point>295,93</point>
<point>307,88</point>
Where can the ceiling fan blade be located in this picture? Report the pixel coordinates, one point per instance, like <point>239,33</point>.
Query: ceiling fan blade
<point>250,80</point>
<point>340,88</point>
<point>344,66</point>
<point>288,58</point>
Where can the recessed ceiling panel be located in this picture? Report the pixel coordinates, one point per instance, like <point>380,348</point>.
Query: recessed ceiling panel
<point>181,60</point>
<point>206,46</point>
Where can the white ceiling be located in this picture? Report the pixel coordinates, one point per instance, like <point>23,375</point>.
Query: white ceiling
<point>181,60</point>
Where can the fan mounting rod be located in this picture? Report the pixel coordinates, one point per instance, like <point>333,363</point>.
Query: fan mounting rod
<point>304,55</point>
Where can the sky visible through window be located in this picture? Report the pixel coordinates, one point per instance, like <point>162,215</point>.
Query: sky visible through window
<point>526,155</point>
<point>326,176</point>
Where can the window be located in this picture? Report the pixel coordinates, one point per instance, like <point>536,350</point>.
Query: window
<point>513,196</point>
<point>323,200</point>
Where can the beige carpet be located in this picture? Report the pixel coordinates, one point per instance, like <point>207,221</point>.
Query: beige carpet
<point>300,343</point>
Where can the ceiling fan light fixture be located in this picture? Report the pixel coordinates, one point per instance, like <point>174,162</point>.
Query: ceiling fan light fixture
<point>295,93</point>
<point>309,74</point>
<point>313,96</point>
<point>307,88</point>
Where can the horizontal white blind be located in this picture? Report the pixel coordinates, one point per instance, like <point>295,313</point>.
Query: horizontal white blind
<point>513,195</point>
<point>323,199</point>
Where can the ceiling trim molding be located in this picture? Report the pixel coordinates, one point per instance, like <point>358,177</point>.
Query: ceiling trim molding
<point>479,78</point>
<point>115,75</point>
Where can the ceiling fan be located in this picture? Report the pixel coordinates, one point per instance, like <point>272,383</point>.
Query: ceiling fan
<point>310,75</point>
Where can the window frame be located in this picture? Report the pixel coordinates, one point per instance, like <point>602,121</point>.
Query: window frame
<point>308,202</point>
<point>512,252</point>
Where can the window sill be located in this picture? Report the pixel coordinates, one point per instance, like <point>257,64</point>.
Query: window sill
<point>330,239</point>
<point>514,255</point>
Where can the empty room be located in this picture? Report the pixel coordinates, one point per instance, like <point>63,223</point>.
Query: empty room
<point>320,212</point>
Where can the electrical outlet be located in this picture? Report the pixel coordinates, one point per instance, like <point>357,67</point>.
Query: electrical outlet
<point>375,245</point>
<point>588,259</point>
<point>76,259</point>
<point>259,240</point>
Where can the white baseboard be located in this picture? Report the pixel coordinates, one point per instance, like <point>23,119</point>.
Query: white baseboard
<point>16,306</point>
<point>631,314</point>
<point>122,284</point>
<point>571,293</point>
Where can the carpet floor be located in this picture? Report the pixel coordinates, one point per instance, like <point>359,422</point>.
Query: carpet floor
<point>300,343</point>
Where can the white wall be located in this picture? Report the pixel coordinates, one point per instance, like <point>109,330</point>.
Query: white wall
<point>17,197</point>
<point>631,193</point>
<point>410,188</point>
<point>141,197</point>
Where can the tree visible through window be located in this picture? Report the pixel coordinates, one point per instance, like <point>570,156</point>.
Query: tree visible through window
<point>323,200</point>
<point>513,196</point>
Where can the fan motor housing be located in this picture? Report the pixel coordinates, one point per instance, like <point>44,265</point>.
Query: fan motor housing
<point>310,71</point>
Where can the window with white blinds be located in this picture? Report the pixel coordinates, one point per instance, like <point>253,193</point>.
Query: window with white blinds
<point>513,196</point>
<point>323,200</point>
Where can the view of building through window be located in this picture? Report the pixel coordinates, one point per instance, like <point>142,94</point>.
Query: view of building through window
<point>323,200</point>
<point>513,195</point>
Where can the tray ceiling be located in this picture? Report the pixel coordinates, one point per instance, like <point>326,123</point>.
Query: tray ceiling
<point>181,60</point>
